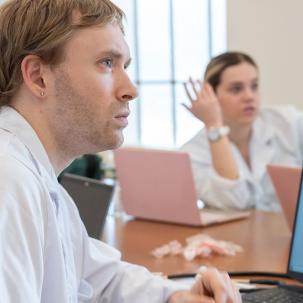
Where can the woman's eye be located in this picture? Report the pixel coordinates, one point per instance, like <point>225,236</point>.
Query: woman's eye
<point>255,86</point>
<point>235,89</point>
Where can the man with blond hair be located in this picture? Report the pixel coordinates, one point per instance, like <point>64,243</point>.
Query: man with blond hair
<point>64,92</point>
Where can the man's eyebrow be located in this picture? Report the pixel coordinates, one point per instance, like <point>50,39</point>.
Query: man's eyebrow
<point>115,54</point>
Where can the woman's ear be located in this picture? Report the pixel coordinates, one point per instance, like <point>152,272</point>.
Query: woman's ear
<point>33,68</point>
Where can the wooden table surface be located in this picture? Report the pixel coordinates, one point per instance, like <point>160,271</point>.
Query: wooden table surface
<point>265,238</point>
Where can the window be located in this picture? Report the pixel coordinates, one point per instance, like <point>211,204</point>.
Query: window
<point>170,40</point>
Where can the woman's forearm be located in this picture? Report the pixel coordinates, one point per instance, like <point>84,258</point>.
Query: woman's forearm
<point>223,159</point>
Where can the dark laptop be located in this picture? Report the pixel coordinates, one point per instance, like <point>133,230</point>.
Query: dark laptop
<point>295,265</point>
<point>92,198</point>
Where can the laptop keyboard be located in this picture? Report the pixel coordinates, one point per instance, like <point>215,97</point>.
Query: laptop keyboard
<point>274,295</point>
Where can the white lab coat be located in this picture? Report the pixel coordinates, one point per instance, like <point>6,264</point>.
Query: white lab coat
<point>46,255</point>
<point>277,138</point>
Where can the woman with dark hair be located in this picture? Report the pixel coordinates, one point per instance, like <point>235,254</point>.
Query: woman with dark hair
<point>229,155</point>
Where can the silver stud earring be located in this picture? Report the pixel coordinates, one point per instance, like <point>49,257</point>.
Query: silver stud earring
<point>42,94</point>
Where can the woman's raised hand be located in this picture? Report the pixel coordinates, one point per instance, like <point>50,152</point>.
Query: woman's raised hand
<point>204,103</point>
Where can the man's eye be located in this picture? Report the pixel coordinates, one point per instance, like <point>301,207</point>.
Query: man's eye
<point>107,62</point>
<point>126,66</point>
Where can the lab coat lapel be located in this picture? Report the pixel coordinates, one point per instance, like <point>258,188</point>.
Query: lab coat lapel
<point>261,148</point>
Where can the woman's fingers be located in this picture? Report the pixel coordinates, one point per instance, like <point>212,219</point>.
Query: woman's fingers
<point>188,93</point>
<point>193,86</point>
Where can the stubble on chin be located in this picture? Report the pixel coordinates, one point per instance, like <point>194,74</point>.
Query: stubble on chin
<point>112,138</point>
<point>77,127</point>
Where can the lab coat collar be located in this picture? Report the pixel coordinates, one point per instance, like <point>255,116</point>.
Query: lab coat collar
<point>262,132</point>
<point>13,122</point>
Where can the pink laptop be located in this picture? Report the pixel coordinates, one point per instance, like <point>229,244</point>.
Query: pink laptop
<point>286,182</point>
<point>158,185</point>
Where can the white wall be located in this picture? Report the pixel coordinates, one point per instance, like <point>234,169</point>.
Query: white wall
<point>272,32</point>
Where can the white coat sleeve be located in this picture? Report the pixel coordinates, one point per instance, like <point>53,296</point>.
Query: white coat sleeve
<point>108,279</point>
<point>212,189</point>
<point>21,241</point>
<point>299,134</point>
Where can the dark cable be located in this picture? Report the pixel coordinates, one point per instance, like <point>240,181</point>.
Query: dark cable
<point>259,273</point>
<point>237,274</point>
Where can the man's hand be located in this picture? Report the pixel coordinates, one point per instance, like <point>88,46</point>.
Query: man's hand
<point>211,286</point>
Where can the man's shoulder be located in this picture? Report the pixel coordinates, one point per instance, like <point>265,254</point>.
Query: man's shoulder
<point>22,194</point>
<point>17,171</point>
<point>22,198</point>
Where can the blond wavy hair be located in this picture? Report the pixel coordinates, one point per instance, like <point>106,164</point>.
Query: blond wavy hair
<point>220,63</point>
<point>42,27</point>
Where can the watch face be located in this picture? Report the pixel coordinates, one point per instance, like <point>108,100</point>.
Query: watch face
<point>213,134</point>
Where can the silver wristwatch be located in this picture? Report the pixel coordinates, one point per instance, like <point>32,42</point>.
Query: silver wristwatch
<point>216,133</point>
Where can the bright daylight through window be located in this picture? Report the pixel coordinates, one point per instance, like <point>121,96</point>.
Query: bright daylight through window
<point>170,40</point>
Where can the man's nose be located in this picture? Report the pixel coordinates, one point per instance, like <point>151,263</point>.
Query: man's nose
<point>129,90</point>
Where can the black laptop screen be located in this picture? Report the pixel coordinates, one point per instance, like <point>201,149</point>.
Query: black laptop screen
<point>92,199</point>
<point>295,265</point>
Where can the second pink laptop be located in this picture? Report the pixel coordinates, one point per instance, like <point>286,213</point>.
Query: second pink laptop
<point>158,185</point>
<point>286,182</point>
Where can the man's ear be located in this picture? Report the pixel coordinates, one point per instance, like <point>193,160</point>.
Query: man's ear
<point>33,69</point>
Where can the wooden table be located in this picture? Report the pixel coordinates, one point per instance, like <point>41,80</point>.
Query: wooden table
<point>265,238</point>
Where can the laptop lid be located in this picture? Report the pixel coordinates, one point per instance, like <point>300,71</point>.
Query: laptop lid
<point>295,261</point>
<point>92,197</point>
<point>286,182</point>
<point>159,185</point>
